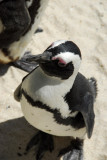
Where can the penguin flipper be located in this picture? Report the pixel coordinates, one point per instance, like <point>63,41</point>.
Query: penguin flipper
<point>17,93</point>
<point>87,112</point>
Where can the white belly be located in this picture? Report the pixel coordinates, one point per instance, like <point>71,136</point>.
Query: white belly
<point>44,121</point>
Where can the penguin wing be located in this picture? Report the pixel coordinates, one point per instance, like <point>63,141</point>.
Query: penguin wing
<point>83,101</point>
<point>17,93</point>
<point>86,108</point>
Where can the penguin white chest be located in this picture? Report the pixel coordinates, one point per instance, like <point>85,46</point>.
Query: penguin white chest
<point>45,121</point>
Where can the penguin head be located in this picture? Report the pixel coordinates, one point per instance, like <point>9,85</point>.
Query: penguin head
<point>61,59</point>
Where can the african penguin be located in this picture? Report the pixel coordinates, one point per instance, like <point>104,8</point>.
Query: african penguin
<point>18,21</point>
<point>56,98</point>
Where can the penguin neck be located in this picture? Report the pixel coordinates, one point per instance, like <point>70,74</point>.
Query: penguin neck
<point>46,86</point>
<point>68,83</point>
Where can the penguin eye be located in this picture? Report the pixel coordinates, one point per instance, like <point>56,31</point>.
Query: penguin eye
<point>61,64</point>
<point>59,61</point>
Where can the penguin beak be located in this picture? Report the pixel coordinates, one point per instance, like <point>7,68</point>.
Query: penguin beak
<point>40,58</point>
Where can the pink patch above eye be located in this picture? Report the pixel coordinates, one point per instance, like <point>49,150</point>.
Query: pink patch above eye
<point>60,60</point>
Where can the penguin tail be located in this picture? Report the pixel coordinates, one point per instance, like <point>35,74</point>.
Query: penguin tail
<point>93,83</point>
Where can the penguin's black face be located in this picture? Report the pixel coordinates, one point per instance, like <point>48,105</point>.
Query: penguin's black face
<point>61,59</point>
<point>57,69</point>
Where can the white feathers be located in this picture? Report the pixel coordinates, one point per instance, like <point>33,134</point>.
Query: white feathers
<point>70,57</point>
<point>57,43</point>
<point>44,121</point>
<point>49,90</point>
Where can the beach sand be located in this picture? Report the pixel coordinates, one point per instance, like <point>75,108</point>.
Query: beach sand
<point>85,23</point>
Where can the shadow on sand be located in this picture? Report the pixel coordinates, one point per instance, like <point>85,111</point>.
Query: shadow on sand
<point>14,136</point>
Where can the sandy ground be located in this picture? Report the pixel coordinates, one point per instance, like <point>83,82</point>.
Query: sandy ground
<point>85,23</point>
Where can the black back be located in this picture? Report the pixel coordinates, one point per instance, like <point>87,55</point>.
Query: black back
<point>68,46</point>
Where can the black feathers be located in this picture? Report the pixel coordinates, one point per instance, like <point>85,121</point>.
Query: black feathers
<point>15,18</point>
<point>53,69</point>
<point>93,84</point>
<point>68,46</point>
<point>33,11</point>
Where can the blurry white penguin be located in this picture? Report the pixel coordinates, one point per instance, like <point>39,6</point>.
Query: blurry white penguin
<point>18,21</point>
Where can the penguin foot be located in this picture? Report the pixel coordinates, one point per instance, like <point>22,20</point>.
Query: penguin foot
<point>74,155</point>
<point>74,151</point>
<point>23,64</point>
<point>44,142</point>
